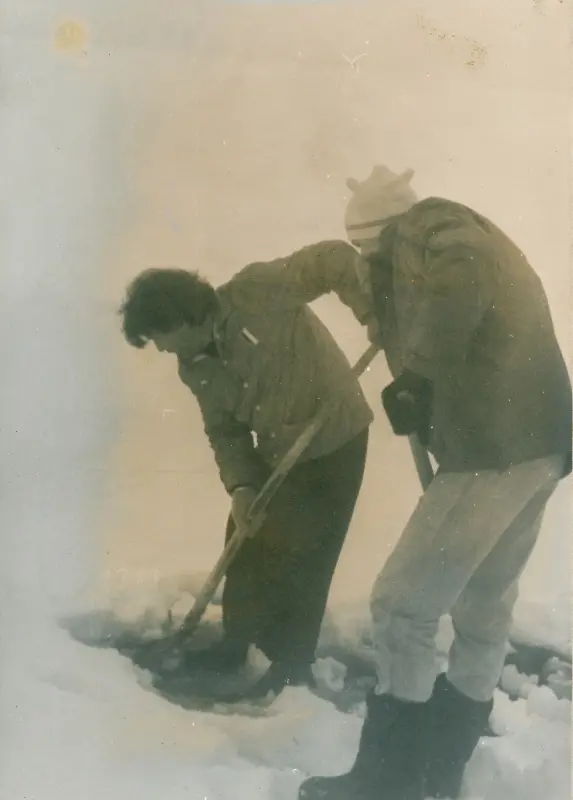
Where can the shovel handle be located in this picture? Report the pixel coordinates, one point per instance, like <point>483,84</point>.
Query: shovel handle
<point>260,503</point>
<point>422,461</point>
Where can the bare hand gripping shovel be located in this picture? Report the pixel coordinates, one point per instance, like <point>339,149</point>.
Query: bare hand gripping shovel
<point>166,654</point>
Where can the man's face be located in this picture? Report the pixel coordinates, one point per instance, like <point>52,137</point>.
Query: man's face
<point>185,341</point>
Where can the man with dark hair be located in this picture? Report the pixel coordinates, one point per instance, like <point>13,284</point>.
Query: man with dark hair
<point>259,361</point>
<point>163,300</point>
<point>480,378</point>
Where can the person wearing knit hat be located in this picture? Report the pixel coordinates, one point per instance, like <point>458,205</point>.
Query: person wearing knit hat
<point>479,376</point>
<point>374,202</point>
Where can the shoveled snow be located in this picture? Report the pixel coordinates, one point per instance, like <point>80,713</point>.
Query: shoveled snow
<point>90,725</point>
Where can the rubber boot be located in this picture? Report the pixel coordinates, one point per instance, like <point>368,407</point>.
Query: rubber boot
<point>456,725</point>
<point>390,760</point>
<point>276,678</point>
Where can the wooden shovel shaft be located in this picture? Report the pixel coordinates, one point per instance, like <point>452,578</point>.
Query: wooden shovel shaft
<point>261,502</point>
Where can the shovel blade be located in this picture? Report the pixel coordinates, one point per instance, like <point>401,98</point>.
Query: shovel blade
<point>159,656</point>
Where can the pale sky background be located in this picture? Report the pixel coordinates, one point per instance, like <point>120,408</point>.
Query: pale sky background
<point>207,135</point>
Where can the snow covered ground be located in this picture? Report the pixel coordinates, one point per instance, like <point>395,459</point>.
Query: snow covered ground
<point>83,722</point>
<point>135,136</point>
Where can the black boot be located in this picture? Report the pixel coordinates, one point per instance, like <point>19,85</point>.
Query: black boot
<point>390,760</point>
<point>276,678</point>
<point>282,674</point>
<point>456,725</point>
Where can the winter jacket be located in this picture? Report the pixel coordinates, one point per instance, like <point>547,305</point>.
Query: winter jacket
<point>460,305</point>
<point>276,364</point>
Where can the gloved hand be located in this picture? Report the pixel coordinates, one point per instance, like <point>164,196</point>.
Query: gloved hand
<point>408,405</point>
<point>242,500</point>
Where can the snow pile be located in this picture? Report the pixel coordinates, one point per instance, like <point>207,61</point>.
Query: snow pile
<point>531,758</point>
<point>546,624</point>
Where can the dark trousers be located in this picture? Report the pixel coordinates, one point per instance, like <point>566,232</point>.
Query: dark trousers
<point>276,590</point>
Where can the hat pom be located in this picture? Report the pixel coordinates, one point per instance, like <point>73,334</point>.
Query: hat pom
<point>383,177</point>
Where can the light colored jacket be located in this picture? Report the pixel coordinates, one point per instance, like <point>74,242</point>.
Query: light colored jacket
<point>276,364</point>
<point>463,307</point>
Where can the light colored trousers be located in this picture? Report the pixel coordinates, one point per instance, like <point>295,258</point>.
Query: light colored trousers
<point>461,553</point>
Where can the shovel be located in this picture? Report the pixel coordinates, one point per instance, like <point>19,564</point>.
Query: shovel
<point>166,653</point>
<point>422,461</point>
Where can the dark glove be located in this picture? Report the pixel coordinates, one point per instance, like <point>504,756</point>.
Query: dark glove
<point>408,405</point>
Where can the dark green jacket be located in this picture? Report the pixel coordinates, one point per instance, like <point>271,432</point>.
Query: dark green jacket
<point>277,364</point>
<point>460,304</point>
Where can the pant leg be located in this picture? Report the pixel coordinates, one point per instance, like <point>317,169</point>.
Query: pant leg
<point>241,612</point>
<point>457,523</point>
<point>483,612</point>
<point>310,522</point>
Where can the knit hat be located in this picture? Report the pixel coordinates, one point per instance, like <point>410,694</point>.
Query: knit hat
<point>374,201</point>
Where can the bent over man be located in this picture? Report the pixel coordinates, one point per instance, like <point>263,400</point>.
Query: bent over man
<point>480,378</point>
<point>259,361</point>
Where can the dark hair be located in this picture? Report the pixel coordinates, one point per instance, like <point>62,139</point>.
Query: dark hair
<point>161,300</point>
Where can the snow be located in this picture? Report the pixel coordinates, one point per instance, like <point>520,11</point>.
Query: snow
<point>531,757</point>
<point>544,624</point>
<point>89,722</point>
<point>107,153</point>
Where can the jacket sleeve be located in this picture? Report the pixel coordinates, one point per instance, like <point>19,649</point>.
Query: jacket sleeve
<point>231,441</point>
<point>310,273</point>
<point>452,298</point>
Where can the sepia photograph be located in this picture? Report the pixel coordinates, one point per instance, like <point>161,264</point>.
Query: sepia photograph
<point>286,410</point>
